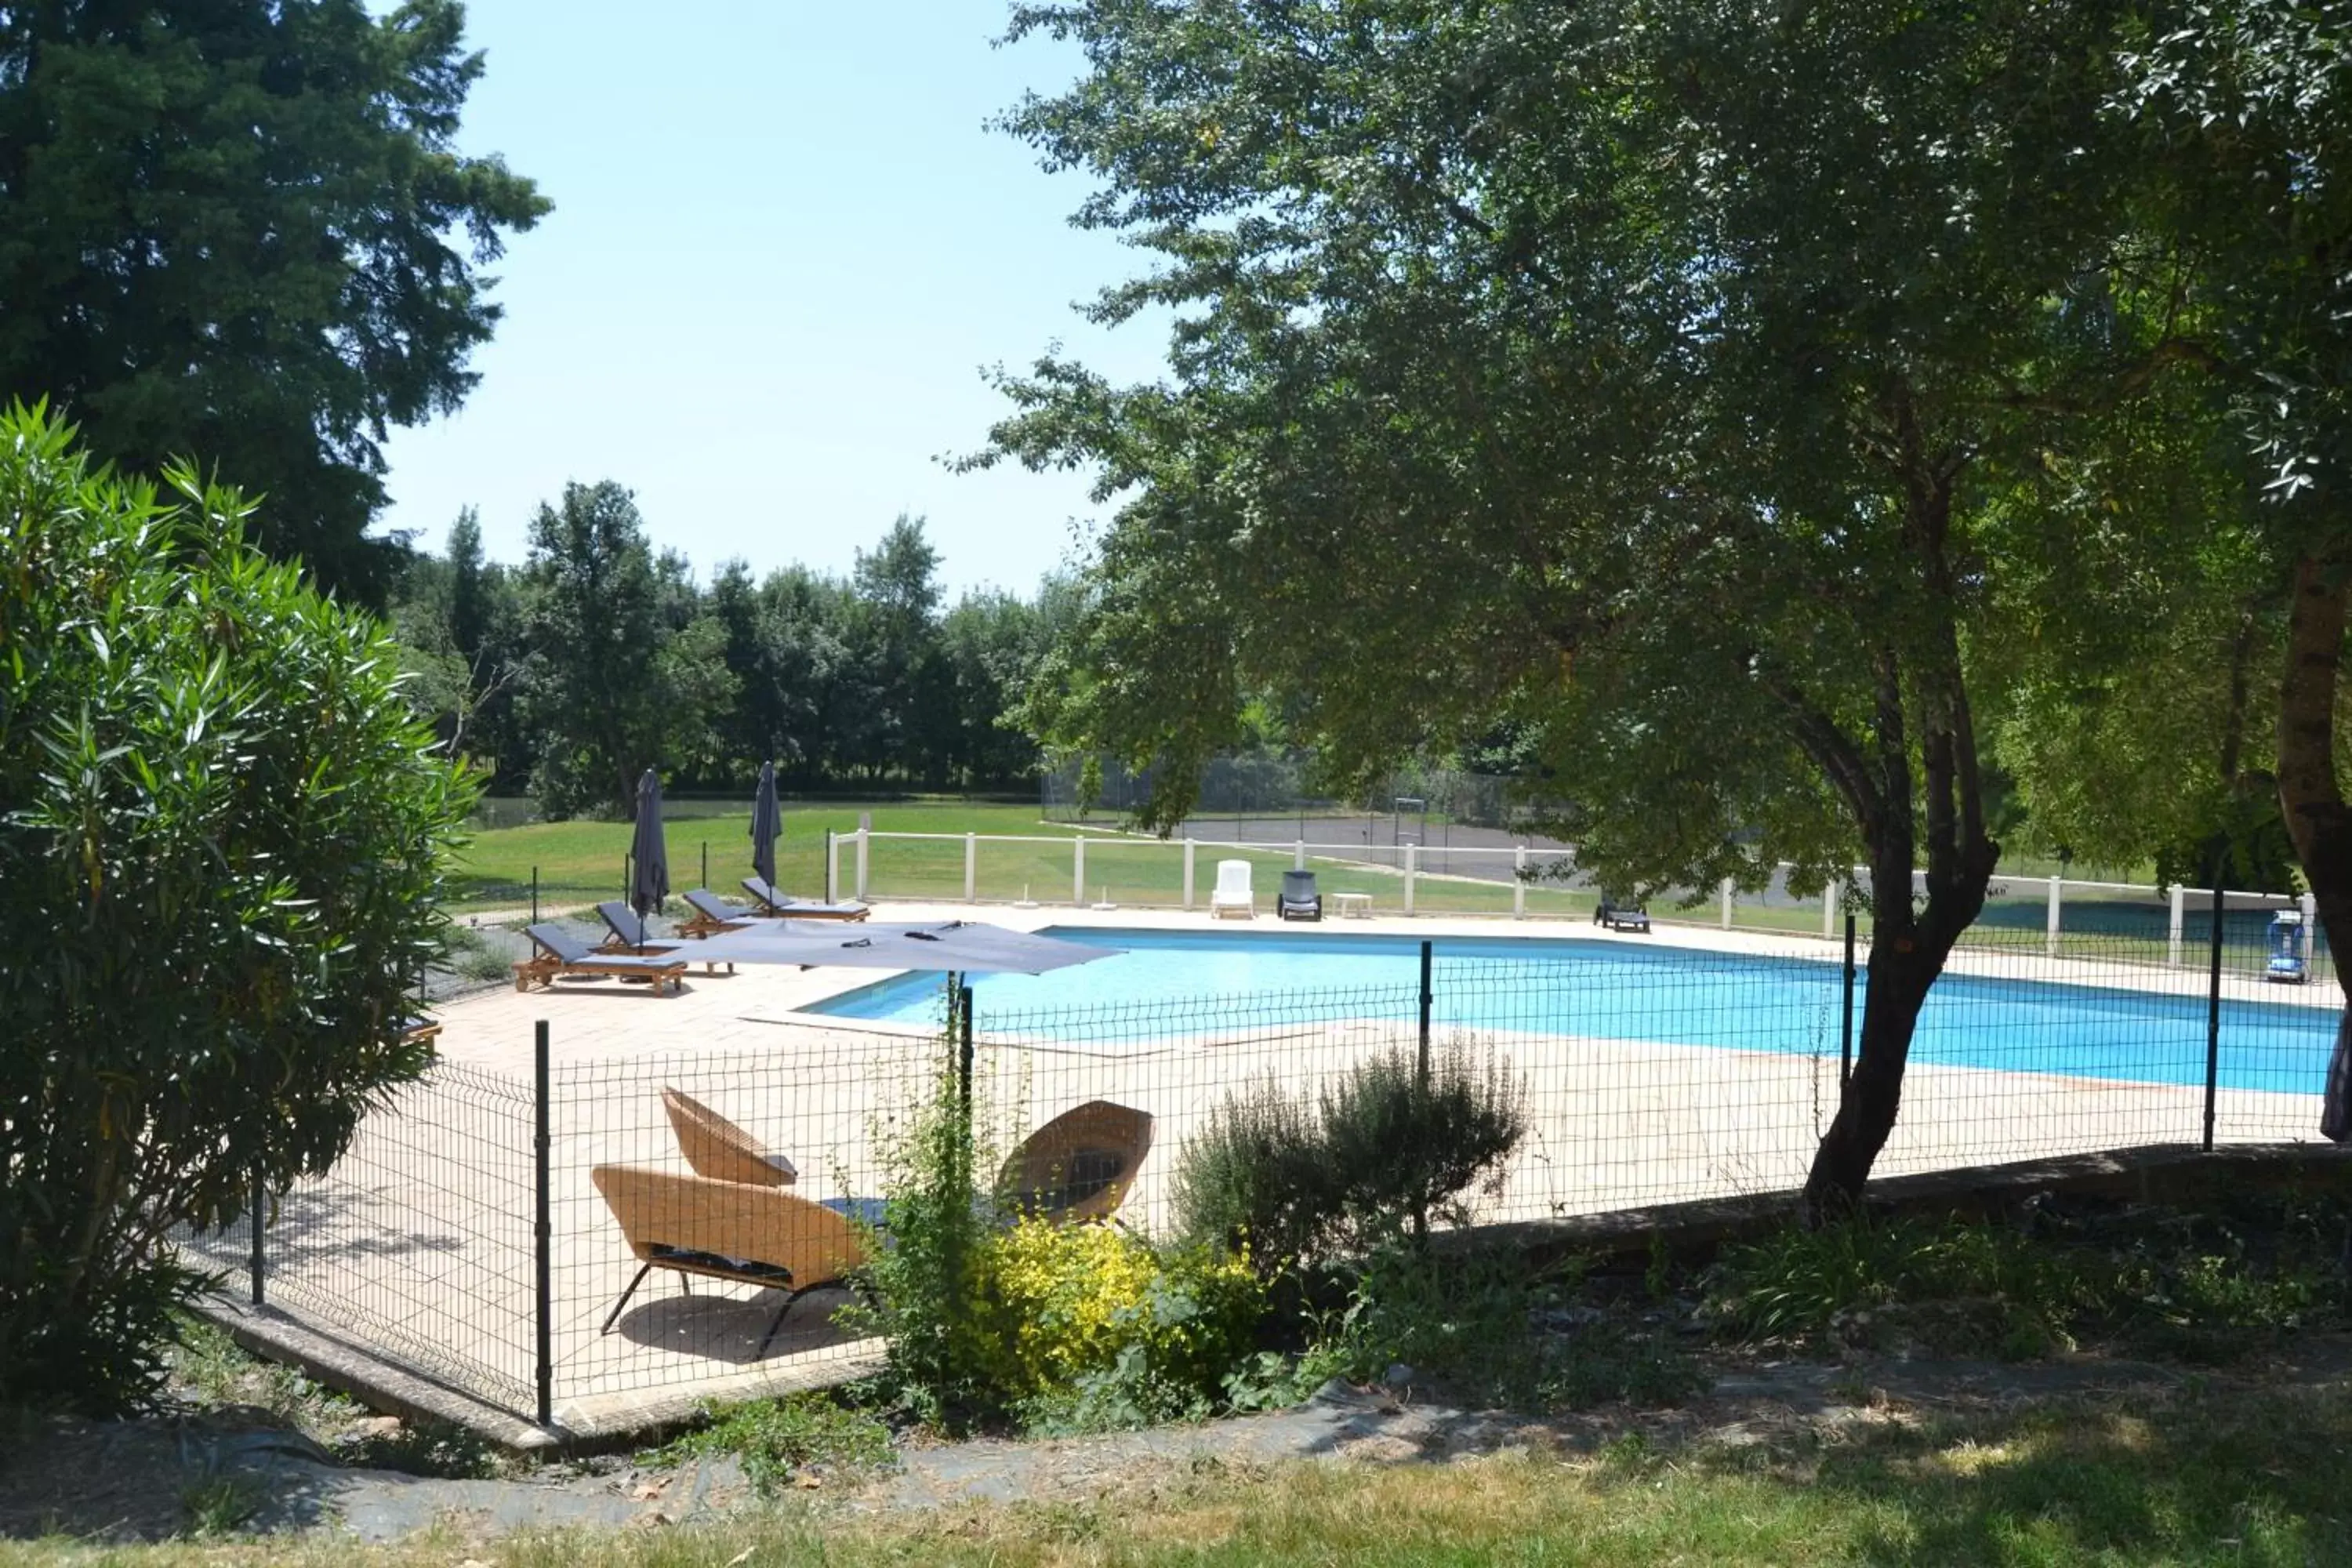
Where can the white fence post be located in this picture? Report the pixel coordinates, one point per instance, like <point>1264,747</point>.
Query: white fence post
<point>1412,866</point>
<point>864,835</point>
<point>2179,907</point>
<point>1519,882</point>
<point>2310,920</point>
<point>1188,872</point>
<point>833,866</point>
<point>2055,898</point>
<point>1828,910</point>
<point>1078,870</point>
<point>1726,903</point>
<point>971,867</point>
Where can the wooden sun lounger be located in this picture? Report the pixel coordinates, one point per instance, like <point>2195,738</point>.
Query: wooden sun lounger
<point>776,903</point>
<point>626,932</point>
<point>1078,1166</point>
<point>726,1230</point>
<point>560,953</point>
<point>716,1148</point>
<point>712,914</point>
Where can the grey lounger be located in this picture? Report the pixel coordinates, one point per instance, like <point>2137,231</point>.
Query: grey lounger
<point>560,952</point>
<point>775,901</point>
<point>629,933</point>
<point>713,915</point>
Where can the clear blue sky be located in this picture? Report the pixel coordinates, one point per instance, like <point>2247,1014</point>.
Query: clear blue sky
<point>783,246</point>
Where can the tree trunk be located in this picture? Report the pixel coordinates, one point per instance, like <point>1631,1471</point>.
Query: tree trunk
<point>2310,796</point>
<point>1902,972</point>
<point>1908,947</point>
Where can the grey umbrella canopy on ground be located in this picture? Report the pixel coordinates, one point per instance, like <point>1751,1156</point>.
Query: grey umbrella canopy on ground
<point>767,825</point>
<point>648,851</point>
<point>963,947</point>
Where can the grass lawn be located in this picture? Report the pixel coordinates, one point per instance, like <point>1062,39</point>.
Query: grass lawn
<point>2254,1476</point>
<point>579,862</point>
<point>583,861</point>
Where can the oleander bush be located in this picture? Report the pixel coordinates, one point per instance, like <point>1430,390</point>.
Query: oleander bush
<point>221,842</point>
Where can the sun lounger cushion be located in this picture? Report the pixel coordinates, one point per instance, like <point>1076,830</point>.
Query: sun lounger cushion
<point>776,902</point>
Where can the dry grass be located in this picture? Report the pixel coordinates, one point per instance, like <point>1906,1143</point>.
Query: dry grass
<point>2243,1478</point>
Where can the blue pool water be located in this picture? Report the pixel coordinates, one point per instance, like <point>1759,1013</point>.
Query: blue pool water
<point>1200,981</point>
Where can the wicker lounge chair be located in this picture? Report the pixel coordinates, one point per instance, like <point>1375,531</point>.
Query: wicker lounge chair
<point>716,1148</point>
<point>1079,1165</point>
<point>561,953</point>
<point>775,903</point>
<point>726,1230</point>
<point>626,932</point>
<point>1233,895</point>
<point>713,915</point>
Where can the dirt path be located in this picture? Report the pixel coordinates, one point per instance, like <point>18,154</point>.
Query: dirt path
<point>147,1480</point>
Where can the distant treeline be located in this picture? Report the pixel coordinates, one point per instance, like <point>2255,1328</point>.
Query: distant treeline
<point>600,655</point>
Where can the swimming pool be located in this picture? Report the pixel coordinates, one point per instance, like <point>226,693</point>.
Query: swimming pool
<point>1631,991</point>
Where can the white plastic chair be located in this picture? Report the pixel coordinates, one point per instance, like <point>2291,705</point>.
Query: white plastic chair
<point>1234,896</point>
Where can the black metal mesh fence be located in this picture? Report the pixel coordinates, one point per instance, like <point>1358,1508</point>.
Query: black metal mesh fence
<point>703,1202</point>
<point>418,1243</point>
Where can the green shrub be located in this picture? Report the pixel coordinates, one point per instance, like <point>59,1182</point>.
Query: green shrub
<point>1376,1156</point>
<point>1464,1320</point>
<point>221,840</point>
<point>925,1290</point>
<point>1067,1326</point>
<point>1399,1151</point>
<point>775,1437</point>
<point>1252,1177</point>
<point>1097,1329</point>
<point>1799,1282</point>
<point>474,957</point>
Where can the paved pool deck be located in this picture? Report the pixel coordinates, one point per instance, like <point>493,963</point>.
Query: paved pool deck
<point>420,1244</point>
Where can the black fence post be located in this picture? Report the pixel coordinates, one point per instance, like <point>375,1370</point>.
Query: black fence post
<point>963,1051</point>
<point>534,895</point>
<point>706,862</point>
<point>260,1209</point>
<point>1421,1094</point>
<point>2213,1010</point>
<point>1421,1071</point>
<point>1846,1026</point>
<point>543,1229</point>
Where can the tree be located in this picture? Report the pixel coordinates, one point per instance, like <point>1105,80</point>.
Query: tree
<point>616,687</point>
<point>2243,111</point>
<point>893,639</point>
<point>991,645</point>
<point>222,838</point>
<point>456,624</point>
<point>1596,370</point>
<point>228,228</point>
<point>472,598</point>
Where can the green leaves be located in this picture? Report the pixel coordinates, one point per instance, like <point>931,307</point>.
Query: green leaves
<point>222,838</point>
<point>236,232</point>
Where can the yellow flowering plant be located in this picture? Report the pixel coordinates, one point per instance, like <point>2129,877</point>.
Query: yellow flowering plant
<point>1081,1302</point>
